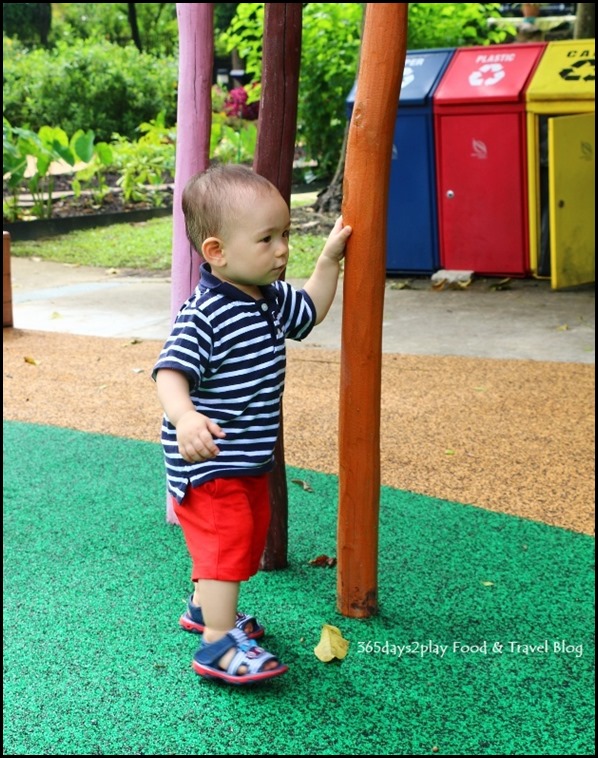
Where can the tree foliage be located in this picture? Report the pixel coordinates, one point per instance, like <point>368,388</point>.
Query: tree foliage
<point>434,25</point>
<point>87,85</point>
<point>29,22</point>
<point>329,53</point>
<point>105,84</point>
<point>155,30</point>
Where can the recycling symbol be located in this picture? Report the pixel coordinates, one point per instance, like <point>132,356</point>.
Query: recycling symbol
<point>408,76</point>
<point>487,75</point>
<point>582,70</point>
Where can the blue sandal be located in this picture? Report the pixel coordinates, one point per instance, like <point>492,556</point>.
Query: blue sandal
<point>192,621</point>
<point>248,654</point>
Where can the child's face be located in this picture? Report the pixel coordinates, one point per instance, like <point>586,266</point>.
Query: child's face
<point>255,243</point>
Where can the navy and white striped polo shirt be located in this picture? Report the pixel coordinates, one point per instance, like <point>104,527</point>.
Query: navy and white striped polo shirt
<point>232,350</point>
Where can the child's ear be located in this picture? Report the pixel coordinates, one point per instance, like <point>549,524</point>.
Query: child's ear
<point>211,250</point>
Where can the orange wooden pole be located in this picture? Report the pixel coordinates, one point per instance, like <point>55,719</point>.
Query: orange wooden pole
<point>365,201</point>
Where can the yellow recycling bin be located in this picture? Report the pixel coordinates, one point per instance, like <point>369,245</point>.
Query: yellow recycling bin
<point>560,106</point>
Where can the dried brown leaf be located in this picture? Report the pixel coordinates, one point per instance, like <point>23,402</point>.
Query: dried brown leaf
<point>323,560</point>
<point>303,484</point>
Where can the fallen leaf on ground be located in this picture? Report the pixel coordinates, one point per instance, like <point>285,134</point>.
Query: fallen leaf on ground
<point>303,484</point>
<point>323,560</point>
<point>331,645</point>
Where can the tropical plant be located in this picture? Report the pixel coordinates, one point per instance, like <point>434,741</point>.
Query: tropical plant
<point>233,136</point>
<point>28,158</point>
<point>146,162</point>
<point>92,176</point>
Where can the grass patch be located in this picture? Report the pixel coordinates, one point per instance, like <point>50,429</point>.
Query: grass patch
<point>146,244</point>
<point>143,245</point>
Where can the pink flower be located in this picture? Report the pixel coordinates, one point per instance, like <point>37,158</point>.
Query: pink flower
<point>236,105</point>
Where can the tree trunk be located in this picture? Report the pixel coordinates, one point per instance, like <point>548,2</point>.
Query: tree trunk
<point>585,21</point>
<point>132,11</point>
<point>331,198</point>
<point>43,21</point>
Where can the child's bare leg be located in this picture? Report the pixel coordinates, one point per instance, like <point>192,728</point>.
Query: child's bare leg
<point>218,602</point>
<point>219,607</point>
<point>197,600</point>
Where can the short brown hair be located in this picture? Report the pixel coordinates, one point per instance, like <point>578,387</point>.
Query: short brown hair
<point>211,197</point>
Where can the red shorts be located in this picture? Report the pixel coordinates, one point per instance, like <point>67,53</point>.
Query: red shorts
<point>225,524</point>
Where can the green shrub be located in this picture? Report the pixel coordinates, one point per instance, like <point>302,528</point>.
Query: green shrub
<point>87,85</point>
<point>331,42</point>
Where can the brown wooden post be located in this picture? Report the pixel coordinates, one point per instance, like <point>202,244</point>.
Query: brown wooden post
<point>365,201</point>
<point>7,317</point>
<point>194,120</point>
<point>274,159</point>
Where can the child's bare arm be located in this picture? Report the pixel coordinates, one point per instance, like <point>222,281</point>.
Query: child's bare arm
<point>321,286</point>
<point>195,432</point>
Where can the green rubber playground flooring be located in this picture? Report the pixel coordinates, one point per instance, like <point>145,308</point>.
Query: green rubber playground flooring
<point>484,644</point>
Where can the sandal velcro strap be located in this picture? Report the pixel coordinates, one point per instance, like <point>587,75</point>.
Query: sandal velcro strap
<point>248,656</point>
<point>253,657</point>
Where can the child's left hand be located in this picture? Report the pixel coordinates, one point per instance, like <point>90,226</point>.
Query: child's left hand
<point>337,239</point>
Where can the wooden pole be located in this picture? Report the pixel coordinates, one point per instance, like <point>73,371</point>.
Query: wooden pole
<point>274,160</point>
<point>7,314</point>
<point>365,202</point>
<point>194,121</point>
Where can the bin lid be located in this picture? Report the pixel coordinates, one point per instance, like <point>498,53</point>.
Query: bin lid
<point>495,74</point>
<point>422,72</point>
<point>567,71</point>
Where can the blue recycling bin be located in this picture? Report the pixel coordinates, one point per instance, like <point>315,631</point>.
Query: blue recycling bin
<point>412,220</point>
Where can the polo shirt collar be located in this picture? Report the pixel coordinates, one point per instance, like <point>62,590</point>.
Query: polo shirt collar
<point>209,281</point>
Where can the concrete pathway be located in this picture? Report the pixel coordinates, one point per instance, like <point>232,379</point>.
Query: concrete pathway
<point>526,321</point>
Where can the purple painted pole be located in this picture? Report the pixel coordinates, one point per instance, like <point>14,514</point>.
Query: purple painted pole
<point>194,122</point>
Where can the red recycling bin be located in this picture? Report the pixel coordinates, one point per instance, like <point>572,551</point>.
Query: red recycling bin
<point>481,157</point>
